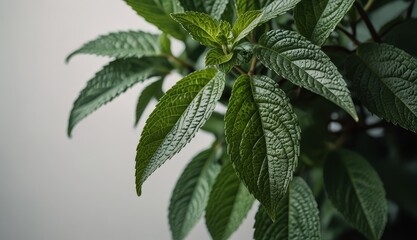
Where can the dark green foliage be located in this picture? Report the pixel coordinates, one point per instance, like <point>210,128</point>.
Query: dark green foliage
<point>228,205</point>
<point>362,199</point>
<point>297,219</point>
<point>311,88</point>
<point>263,137</point>
<point>190,196</point>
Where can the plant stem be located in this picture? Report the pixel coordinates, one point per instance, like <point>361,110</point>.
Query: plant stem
<point>349,35</point>
<point>240,70</point>
<point>181,62</point>
<point>367,21</point>
<point>252,67</point>
<point>368,5</point>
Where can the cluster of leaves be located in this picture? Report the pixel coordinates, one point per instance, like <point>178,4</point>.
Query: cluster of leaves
<point>293,134</point>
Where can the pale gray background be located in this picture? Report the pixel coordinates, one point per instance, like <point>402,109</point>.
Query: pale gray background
<point>52,187</point>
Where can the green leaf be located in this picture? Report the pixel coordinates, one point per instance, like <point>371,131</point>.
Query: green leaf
<point>215,56</point>
<point>157,12</point>
<point>276,8</point>
<point>304,64</point>
<point>121,45</point>
<point>177,117</point>
<point>316,19</point>
<point>193,5</point>
<point>297,219</point>
<point>230,12</point>
<point>263,138</point>
<point>228,205</point>
<point>152,91</point>
<point>202,27</point>
<point>112,80</point>
<point>356,191</point>
<point>215,8</point>
<point>191,193</point>
<point>400,36</point>
<point>245,23</point>
<point>225,35</point>
<point>165,44</point>
<point>385,80</point>
<point>243,6</point>
<point>242,54</point>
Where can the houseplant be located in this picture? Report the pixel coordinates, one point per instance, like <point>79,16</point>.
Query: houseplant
<point>317,92</point>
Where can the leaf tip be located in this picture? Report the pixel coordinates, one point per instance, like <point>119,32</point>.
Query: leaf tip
<point>271,213</point>
<point>69,57</point>
<point>139,190</point>
<point>69,131</point>
<point>354,116</point>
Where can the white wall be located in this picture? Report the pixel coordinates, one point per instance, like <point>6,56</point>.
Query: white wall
<point>52,187</point>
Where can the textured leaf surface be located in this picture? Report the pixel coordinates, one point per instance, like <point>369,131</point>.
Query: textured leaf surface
<point>245,23</point>
<point>385,80</point>
<point>243,6</point>
<point>304,64</point>
<point>297,219</point>
<point>202,27</point>
<point>121,45</point>
<point>193,5</point>
<point>152,91</point>
<point>177,117</point>
<point>228,205</point>
<point>157,12</point>
<point>263,137</point>
<point>276,8</point>
<point>316,19</point>
<point>215,56</point>
<point>215,8</point>
<point>111,81</point>
<point>191,193</point>
<point>355,189</point>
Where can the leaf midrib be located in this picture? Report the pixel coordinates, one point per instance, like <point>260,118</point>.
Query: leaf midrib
<point>380,78</point>
<point>264,139</point>
<point>318,19</point>
<point>144,177</point>
<point>252,87</point>
<point>299,68</point>
<point>210,160</point>
<point>213,40</point>
<point>351,179</point>
<point>226,229</point>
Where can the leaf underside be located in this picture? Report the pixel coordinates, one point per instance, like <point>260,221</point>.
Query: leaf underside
<point>356,191</point>
<point>121,45</point>
<point>304,64</point>
<point>263,137</point>
<point>112,80</point>
<point>297,219</point>
<point>177,117</point>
